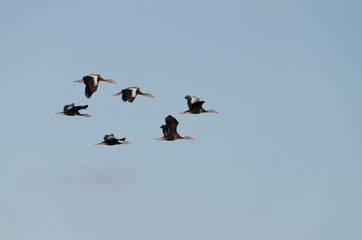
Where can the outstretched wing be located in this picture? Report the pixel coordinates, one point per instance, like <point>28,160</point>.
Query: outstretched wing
<point>68,107</point>
<point>164,130</point>
<point>129,94</point>
<point>126,94</point>
<point>77,108</point>
<point>191,100</point>
<point>91,84</point>
<point>197,106</point>
<point>171,125</point>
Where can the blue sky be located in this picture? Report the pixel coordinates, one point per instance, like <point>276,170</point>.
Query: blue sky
<point>281,160</point>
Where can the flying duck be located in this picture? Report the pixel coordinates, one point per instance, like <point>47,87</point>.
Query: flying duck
<point>111,140</point>
<point>129,94</point>
<point>170,130</point>
<point>71,110</point>
<point>195,106</point>
<point>91,83</point>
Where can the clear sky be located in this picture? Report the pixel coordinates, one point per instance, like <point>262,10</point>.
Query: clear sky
<point>281,160</point>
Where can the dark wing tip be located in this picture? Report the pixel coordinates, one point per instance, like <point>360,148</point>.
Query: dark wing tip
<point>88,93</point>
<point>124,96</point>
<point>170,120</point>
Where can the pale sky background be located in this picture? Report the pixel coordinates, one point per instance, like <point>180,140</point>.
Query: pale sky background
<point>282,160</point>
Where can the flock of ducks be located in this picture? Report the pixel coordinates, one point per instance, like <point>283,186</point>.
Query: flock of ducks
<point>128,95</point>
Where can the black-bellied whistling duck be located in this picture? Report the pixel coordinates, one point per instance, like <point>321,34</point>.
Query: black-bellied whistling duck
<point>91,83</point>
<point>111,140</point>
<point>71,110</point>
<point>170,130</point>
<point>195,106</point>
<point>129,94</point>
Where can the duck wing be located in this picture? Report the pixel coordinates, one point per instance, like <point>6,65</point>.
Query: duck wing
<point>109,137</point>
<point>77,108</point>
<point>129,94</point>
<point>91,84</point>
<point>171,125</point>
<point>191,100</point>
<point>68,107</point>
<point>197,106</point>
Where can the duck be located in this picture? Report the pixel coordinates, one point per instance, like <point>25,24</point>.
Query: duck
<point>91,82</point>
<point>129,94</point>
<point>72,110</point>
<point>170,130</point>
<point>110,140</point>
<point>195,106</point>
